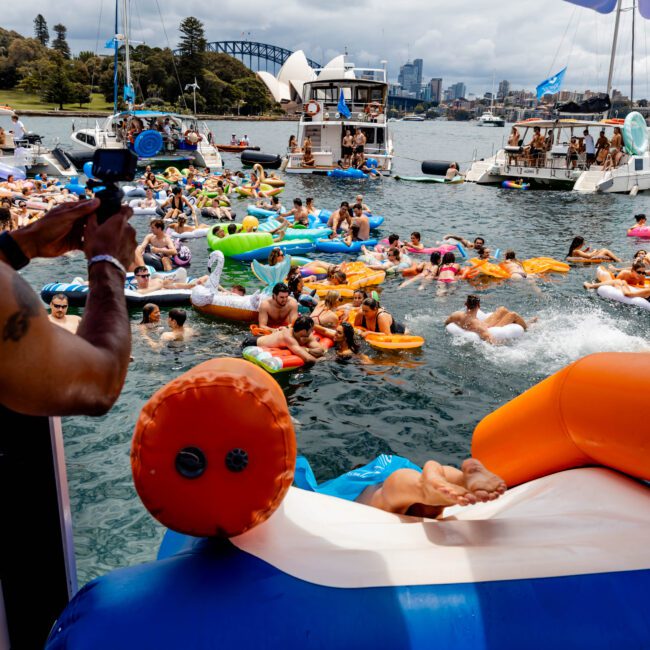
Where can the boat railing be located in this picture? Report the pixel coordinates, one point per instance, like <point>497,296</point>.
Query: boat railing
<point>360,112</point>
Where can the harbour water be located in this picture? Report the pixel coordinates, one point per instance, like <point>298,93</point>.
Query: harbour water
<point>419,405</point>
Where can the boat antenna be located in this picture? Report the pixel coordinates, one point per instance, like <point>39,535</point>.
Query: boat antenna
<point>127,58</point>
<point>613,55</point>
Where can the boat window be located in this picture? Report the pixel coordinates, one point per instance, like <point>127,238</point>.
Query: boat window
<point>81,137</point>
<point>90,139</point>
<point>376,95</point>
<point>362,96</point>
<point>329,95</point>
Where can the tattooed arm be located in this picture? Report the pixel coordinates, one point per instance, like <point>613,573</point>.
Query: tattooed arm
<point>46,370</point>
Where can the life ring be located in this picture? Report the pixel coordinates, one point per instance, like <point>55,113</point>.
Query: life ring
<point>191,141</point>
<point>374,109</point>
<point>311,108</point>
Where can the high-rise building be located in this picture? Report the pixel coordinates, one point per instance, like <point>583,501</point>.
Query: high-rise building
<point>504,89</point>
<point>418,64</point>
<point>435,90</point>
<point>459,90</point>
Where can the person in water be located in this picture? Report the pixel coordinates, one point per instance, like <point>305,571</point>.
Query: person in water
<point>59,314</point>
<point>375,319</point>
<point>179,332</point>
<point>514,266</point>
<point>426,272</point>
<point>324,314</point>
<point>469,320</point>
<point>641,222</point>
<point>479,242</point>
<point>577,250</point>
<point>280,309</point>
<point>397,485</point>
<point>298,339</point>
<point>633,277</point>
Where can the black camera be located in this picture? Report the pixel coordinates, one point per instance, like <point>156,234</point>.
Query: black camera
<point>109,167</point>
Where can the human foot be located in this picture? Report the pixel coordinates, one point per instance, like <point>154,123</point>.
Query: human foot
<point>438,491</point>
<point>480,482</point>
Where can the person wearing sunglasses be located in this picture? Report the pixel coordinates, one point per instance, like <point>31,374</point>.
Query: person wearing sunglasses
<point>146,284</point>
<point>59,314</point>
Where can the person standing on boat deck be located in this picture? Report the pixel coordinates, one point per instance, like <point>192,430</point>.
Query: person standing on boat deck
<point>513,138</point>
<point>590,148</point>
<point>347,145</point>
<point>616,147</point>
<point>308,159</point>
<point>602,147</point>
<point>536,147</point>
<point>359,142</point>
<point>18,128</point>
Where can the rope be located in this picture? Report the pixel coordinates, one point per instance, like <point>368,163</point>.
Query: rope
<point>566,29</point>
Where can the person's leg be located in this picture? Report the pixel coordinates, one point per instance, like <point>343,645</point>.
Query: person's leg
<point>167,263</point>
<point>634,292</point>
<point>503,316</point>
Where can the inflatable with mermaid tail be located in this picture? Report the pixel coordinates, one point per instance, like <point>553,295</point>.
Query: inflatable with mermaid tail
<point>250,561</point>
<point>210,301</point>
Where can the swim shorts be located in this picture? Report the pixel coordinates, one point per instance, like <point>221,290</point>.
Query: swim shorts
<point>351,484</point>
<point>249,340</point>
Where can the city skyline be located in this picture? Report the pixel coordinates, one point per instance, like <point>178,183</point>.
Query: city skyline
<point>471,42</point>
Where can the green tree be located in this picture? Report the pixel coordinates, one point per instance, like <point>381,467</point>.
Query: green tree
<point>41,33</point>
<point>192,47</point>
<point>80,93</point>
<point>59,43</point>
<point>57,88</point>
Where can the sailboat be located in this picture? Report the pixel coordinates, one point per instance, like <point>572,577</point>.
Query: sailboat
<point>159,138</point>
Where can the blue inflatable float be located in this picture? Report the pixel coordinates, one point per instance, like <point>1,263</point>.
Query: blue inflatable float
<point>339,246</point>
<point>148,143</point>
<point>546,565</point>
<point>347,173</point>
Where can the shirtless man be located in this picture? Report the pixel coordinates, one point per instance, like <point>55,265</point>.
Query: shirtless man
<point>479,242</point>
<point>274,204</point>
<point>359,141</point>
<point>299,339</point>
<point>280,309</point>
<point>361,220</point>
<point>59,314</point>
<point>513,266</point>
<point>346,147</point>
<point>145,284</point>
<point>299,213</point>
<point>157,243</point>
<point>469,320</point>
<point>176,319</point>
<point>338,218</point>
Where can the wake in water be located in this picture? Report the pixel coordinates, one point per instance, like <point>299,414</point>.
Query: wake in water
<point>557,339</point>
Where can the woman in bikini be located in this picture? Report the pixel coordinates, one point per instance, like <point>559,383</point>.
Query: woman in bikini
<point>427,272</point>
<point>449,270</point>
<point>577,250</point>
<point>324,314</point>
<point>375,319</point>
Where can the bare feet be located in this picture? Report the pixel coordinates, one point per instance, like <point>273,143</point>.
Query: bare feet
<point>480,482</point>
<point>591,285</point>
<point>438,491</point>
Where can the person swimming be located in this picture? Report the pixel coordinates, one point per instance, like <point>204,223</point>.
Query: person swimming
<point>375,319</point>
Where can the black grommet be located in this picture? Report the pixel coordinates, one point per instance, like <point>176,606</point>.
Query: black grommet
<point>236,460</point>
<point>190,462</point>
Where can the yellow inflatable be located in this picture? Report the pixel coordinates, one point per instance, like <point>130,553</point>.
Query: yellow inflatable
<point>533,266</point>
<point>247,190</point>
<point>358,276</point>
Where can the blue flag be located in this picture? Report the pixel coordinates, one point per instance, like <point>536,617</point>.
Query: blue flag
<point>129,94</point>
<point>550,85</point>
<point>110,43</point>
<point>342,108</point>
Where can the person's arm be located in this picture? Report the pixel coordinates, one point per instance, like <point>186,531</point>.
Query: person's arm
<point>100,350</point>
<point>464,242</point>
<point>297,349</point>
<point>293,314</point>
<point>383,321</point>
<point>263,315</point>
<point>167,249</point>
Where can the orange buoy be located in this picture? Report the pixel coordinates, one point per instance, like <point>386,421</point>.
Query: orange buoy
<point>585,414</point>
<point>214,450</point>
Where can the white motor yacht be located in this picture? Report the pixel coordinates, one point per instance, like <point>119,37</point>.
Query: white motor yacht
<point>489,119</point>
<point>365,94</point>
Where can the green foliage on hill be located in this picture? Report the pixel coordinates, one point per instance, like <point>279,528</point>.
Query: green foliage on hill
<point>159,76</point>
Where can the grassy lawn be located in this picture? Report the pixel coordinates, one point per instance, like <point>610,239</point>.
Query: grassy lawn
<point>21,100</point>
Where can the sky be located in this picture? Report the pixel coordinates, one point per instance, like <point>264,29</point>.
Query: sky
<point>523,41</point>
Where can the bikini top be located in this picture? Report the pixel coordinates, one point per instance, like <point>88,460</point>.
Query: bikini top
<point>449,268</point>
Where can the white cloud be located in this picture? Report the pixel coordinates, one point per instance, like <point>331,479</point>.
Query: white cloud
<point>463,40</point>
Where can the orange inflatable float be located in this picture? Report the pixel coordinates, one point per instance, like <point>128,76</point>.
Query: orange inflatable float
<point>358,276</point>
<point>214,451</point>
<point>532,266</point>
<point>393,341</point>
<point>582,415</point>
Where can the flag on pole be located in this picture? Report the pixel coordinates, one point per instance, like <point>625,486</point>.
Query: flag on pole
<point>551,85</point>
<point>129,94</point>
<point>342,107</point>
<point>110,43</point>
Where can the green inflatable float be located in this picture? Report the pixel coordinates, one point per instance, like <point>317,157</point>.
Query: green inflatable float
<point>239,243</point>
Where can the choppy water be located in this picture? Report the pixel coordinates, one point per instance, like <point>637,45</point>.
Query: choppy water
<point>419,405</point>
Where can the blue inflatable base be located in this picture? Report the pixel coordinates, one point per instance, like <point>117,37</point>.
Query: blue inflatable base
<point>212,595</point>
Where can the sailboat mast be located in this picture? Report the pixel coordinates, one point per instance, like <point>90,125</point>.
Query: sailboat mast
<point>127,57</point>
<point>613,56</point>
<point>116,45</point>
<point>632,61</point>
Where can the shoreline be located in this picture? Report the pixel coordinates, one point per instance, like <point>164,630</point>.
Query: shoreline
<point>201,116</point>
